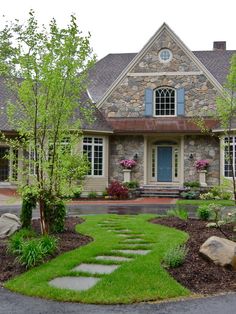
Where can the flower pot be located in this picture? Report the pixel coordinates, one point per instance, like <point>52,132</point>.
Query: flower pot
<point>202,177</point>
<point>127,175</point>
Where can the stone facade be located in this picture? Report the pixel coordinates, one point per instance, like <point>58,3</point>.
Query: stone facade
<point>202,147</point>
<point>127,100</point>
<point>125,147</point>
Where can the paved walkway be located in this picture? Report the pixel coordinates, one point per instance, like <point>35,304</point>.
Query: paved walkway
<point>12,303</point>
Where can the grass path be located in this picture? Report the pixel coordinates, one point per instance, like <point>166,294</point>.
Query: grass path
<point>141,279</point>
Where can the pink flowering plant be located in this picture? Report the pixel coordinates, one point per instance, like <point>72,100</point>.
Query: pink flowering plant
<point>201,164</point>
<point>128,163</point>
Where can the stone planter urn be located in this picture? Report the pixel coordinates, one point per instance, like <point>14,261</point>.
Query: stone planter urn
<point>127,175</point>
<point>202,177</point>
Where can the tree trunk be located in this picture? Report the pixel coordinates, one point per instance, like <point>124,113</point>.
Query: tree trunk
<point>43,224</point>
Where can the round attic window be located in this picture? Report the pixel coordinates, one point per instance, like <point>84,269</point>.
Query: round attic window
<point>165,55</point>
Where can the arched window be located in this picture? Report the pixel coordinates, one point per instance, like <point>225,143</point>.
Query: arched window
<point>165,101</point>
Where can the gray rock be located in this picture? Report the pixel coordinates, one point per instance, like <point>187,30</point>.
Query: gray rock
<point>221,251</point>
<point>9,224</point>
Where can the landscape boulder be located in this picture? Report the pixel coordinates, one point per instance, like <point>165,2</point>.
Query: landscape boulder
<point>221,251</point>
<point>9,224</point>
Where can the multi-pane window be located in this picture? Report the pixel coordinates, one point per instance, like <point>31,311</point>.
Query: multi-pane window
<point>229,155</point>
<point>165,101</point>
<point>176,162</point>
<point>93,148</point>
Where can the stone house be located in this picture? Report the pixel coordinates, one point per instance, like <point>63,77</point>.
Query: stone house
<point>145,103</point>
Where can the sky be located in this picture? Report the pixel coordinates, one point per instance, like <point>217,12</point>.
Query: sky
<point>126,25</point>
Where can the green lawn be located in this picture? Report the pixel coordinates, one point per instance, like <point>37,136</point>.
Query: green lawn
<point>206,202</point>
<point>139,280</point>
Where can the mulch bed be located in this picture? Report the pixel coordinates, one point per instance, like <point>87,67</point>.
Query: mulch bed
<point>198,274</point>
<point>68,240</point>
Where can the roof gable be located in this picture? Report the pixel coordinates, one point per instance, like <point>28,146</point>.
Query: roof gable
<point>137,58</point>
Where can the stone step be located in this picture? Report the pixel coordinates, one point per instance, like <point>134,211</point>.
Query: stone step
<point>74,283</point>
<point>96,268</point>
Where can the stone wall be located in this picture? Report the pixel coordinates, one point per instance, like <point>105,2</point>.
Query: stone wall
<point>127,100</point>
<point>125,147</point>
<point>202,147</point>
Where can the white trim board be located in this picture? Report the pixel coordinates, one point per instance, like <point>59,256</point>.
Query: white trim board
<point>164,73</point>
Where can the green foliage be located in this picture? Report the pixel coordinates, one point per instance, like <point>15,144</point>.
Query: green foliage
<point>192,184</point>
<point>178,212</point>
<point>29,201</point>
<point>203,212</point>
<point>92,194</point>
<point>31,253</point>
<point>220,192</point>
<point>190,195</point>
<point>49,244</point>
<point>104,193</point>
<point>16,240</point>
<point>216,211</point>
<point>132,184</point>
<point>52,64</point>
<point>55,213</point>
<point>175,257</point>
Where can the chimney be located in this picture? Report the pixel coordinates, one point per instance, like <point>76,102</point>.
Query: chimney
<point>219,45</point>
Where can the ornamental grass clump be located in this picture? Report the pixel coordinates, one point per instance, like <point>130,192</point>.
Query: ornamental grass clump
<point>175,256</point>
<point>128,163</point>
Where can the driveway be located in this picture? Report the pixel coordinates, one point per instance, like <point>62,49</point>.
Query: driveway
<point>12,303</point>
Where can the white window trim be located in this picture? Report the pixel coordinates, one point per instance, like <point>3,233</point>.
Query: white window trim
<point>103,155</point>
<point>223,155</point>
<point>154,103</point>
<point>168,60</point>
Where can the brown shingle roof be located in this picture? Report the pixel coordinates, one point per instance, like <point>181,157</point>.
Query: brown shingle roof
<point>163,125</point>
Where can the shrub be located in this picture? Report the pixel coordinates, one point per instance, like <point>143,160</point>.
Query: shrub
<point>104,193</point>
<point>16,240</point>
<point>192,184</point>
<point>131,184</point>
<point>203,212</point>
<point>201,164</point>
<point>77,192</point>
<point>190,195</point>
<point>55,214</point>
<point>220,192</point>
<point>92,194</point>
<point>48,244</point>
<point>175,257</point>
<point>178,212</point>
<point>206,196</point>
<point>31,254</point>
<point>29,197</point>
<point>118,190</point>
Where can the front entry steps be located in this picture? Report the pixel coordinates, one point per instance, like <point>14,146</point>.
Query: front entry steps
<point>160,191</point>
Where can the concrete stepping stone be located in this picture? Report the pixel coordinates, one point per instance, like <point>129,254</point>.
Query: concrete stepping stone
<point>136,252</point>
<point>123,235</point>
<point>96,268</point>
<point>74,283</point>
<point>114,258</point>
<point>122,230</point>
<point>134,240</point>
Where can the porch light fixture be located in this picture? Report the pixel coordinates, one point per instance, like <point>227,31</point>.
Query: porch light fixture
<point>135,156</point>
<point>190,156</point>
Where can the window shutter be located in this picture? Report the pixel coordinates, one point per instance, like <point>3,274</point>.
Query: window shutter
<point>148,101</point>
<point>180,102</point>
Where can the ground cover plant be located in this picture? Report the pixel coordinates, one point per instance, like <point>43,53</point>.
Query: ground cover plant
<point>144,278</point>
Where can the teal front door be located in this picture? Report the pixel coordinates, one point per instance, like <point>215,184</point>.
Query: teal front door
<point>164,164</point>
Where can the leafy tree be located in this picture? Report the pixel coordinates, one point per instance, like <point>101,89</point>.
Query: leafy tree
<point>47,71</point>
<point>225,114</point>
